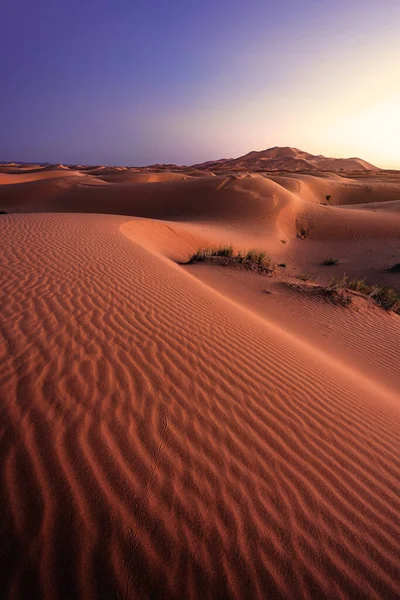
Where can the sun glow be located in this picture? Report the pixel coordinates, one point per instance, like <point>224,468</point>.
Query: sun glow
<point>372,132</point>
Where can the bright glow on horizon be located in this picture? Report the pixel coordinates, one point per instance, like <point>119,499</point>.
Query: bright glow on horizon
<point>175,83</point>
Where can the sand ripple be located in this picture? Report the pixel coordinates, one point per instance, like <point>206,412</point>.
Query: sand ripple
<point>157,442</point>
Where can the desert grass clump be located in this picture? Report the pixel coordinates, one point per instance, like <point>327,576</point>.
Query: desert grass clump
<point>211,251</point>
<point>251,255</point>
<point>384,296</point>
<point>258,257</point>
<point>225,251</point>
<point>201,255</point>
<point>330,262</point>
<point>338,282</point>
<point>255,260</point>
<point>388,298</point>
<point>361,286</point>
<point>307,277</point>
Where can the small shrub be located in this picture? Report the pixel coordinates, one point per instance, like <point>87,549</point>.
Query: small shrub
<point>3,212</point>
<point>283,265</point>
<point>284,241</point>
<point>328,198</point>
<point>330,262</point>
<point>305,276</point>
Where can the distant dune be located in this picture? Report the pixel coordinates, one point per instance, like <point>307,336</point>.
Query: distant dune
<point>174,430</point>
<point>274,159</point>
<point>289,159</point>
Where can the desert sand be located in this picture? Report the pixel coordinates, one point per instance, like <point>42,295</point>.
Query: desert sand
<point>174,430</point>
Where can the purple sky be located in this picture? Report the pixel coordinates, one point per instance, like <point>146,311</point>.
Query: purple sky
<point>136,82</point>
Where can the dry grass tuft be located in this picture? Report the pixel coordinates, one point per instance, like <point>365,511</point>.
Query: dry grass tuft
<point>254,260</point>
<point>384,296</point>
<point>307,277</point>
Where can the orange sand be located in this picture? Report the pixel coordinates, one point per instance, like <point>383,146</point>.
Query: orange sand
<point>177,432</point>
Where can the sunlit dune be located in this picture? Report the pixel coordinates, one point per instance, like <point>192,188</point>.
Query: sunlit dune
<point>289,159</point>
<point>178,430</point>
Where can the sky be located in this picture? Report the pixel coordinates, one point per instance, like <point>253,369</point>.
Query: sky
<point>134,82</point>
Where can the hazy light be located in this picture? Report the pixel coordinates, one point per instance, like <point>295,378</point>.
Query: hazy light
<point>184,82</point>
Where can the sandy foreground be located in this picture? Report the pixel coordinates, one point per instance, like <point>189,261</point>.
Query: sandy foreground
<point>196,431</point>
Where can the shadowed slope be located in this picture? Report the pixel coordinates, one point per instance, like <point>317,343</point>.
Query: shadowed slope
<point>238,202</point>
<point>354,220</point>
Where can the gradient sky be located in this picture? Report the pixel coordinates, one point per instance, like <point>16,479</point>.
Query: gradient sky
<point>135,82</point>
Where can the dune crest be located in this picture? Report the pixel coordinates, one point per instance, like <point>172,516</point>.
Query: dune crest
<point>288,159</point>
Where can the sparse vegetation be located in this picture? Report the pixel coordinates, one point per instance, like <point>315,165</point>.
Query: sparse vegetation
<point>336,296</point>
<point>3,212</point>
<point>330,262</point>
<point>284,241</point>
<point>200,255</point>
<point>257,256</point>
<point>256,260</point>
<point>308,277</point>
<point>328,198</point>
<point>338,291</point>
<point>212,251</point>
<point>384,296</point>
<point>225,251</point>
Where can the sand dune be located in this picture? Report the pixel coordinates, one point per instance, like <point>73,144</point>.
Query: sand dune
<point>142,177</point>
<point>288,159</point>
<point>323,325</point>
<point>332,212</point>
<point>194,431</point>
<point>40,175</point>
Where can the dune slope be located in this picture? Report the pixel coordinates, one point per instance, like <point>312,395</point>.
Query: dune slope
<point>160,440</point>
<point>288,159</point>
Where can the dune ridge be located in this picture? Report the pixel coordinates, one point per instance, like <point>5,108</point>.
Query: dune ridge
<point>174,431</point>
<point>288,159</point>
<point>355,219</point>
